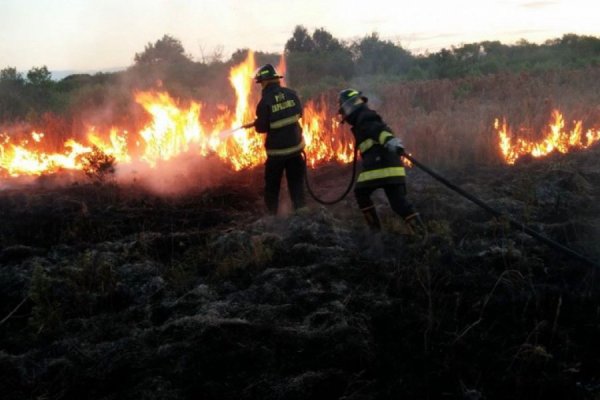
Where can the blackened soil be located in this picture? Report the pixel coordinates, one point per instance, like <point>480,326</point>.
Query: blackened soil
<point>110,292</point>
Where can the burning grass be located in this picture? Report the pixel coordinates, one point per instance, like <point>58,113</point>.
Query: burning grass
<point>172,128</point>
<point>474,121</point>
<point>450,123</point>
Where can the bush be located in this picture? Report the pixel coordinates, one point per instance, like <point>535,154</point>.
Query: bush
<point>98,166</point>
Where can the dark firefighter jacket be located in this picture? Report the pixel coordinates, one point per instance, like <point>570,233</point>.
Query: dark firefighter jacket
<point>379,166</point>
<point>277,115</point>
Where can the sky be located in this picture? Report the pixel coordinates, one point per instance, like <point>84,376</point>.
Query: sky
<point>95,35</point>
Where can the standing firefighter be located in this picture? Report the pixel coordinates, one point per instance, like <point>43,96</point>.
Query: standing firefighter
<point>277,115</point>
<point>381,165</point>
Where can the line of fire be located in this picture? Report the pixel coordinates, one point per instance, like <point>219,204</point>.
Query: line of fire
<point>175,128</point>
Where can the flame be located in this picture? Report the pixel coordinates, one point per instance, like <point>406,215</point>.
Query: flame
<point>17,159</point>
<point>556,139</point>
<point>175,128</point>
<point>282,68</point>
<point>323,137</point>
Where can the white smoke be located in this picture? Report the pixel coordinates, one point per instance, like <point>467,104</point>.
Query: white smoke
<point>184,173</point>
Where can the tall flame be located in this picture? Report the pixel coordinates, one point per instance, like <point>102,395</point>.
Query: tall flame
<point>282,68</point>
<point>172,130</point>
<point>175,128</point>
<point>556,139</point>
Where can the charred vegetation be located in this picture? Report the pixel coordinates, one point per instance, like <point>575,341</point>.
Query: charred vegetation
<point>115,291</point>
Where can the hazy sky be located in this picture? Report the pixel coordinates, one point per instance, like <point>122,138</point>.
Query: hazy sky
<point>100,34</point>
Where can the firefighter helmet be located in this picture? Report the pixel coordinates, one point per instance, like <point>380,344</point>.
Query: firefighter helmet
<point>266,72</point>
<point>349,101</point>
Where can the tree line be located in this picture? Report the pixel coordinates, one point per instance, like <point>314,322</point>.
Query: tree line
<point>316,61</point>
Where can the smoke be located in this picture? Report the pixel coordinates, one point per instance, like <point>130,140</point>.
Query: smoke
<point>15,128</point>
<point>185,173</point>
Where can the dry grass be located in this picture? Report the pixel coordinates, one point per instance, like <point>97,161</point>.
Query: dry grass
<point>450,122</point>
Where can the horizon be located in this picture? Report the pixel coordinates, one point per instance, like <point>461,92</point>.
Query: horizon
<point>81,36</point>
<point>62,73</point>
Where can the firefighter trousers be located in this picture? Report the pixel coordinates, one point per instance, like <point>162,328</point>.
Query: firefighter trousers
<point>294,168</point>
<point>395,193</point>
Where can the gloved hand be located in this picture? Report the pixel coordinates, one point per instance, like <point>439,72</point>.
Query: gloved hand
<point>394,145</point>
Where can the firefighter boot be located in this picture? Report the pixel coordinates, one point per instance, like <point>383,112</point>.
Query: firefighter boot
<point>371,218</point>
<point>417,227</point>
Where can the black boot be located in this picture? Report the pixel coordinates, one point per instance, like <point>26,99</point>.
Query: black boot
<point>372,219</point>
<point>416,226</point>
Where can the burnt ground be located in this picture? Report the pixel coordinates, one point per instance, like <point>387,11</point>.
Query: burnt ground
<point>110,292</point>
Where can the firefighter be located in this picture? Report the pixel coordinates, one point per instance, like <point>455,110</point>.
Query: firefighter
<point>382,168</point>
<point>277,115</point>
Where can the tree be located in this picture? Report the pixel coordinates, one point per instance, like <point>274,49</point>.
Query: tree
<point>12,95</point>
<point>165,64</point>
<point>324,41</point>
<point>376,56</point>
<point>300,41</point>
<point>40,91</point>
<point>239,55</point>
<point>11,75</point>
<point>165,50</point>
<point>317,57</point>
<point>445,63</point>
<point>39,77</point>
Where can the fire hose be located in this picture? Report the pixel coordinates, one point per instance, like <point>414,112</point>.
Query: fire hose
<point>514,223</point>
<point>337,200</point>
<point>227,133</point>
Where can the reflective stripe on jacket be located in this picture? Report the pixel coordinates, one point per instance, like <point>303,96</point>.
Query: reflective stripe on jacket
<point>368,143</point>
<point>381,173</point>
<point>277,114</point>
<point>379,166</point>
<point>287,151</point>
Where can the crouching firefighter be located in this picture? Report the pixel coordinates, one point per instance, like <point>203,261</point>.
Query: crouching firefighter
<point>277,115</point>
<point>382,168</point>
